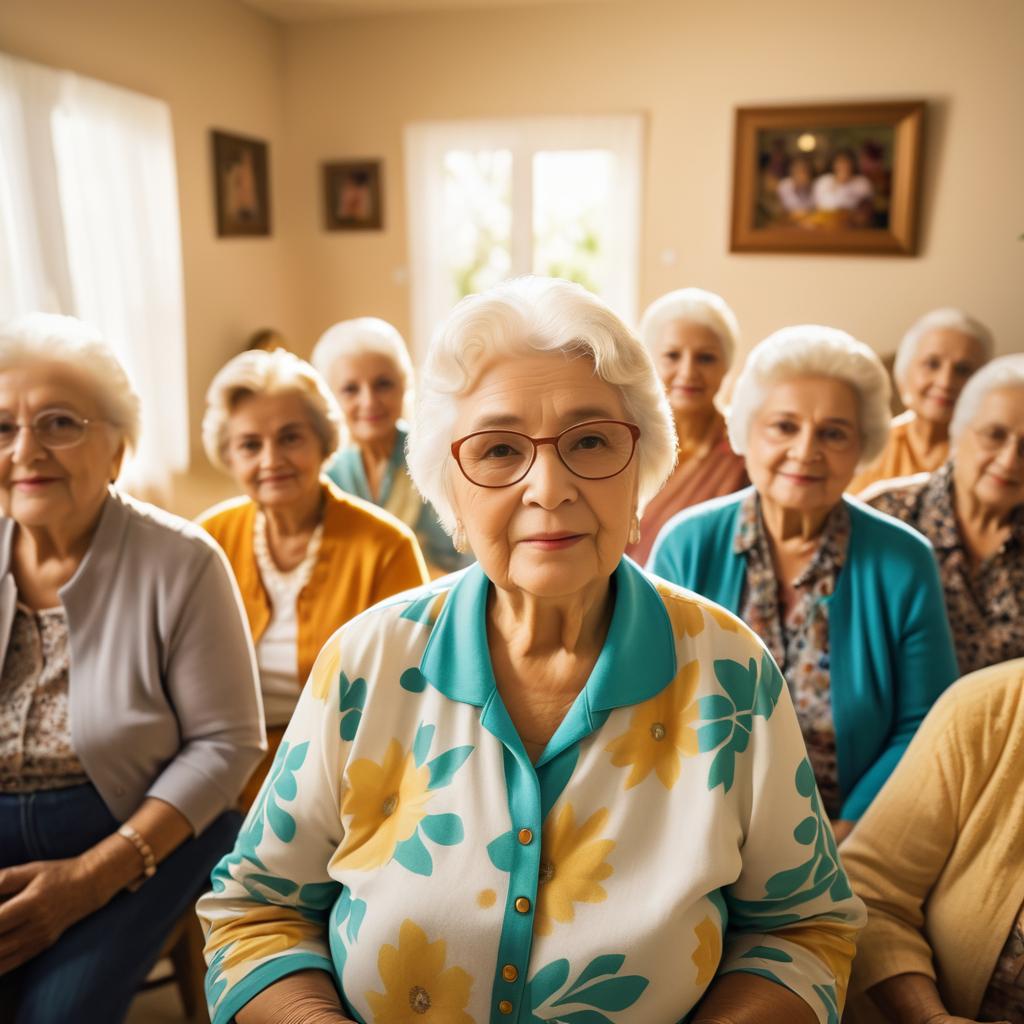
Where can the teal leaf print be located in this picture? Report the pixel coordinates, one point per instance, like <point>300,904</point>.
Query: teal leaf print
<point>546,982</point>
<point>422,609</point>
<point>609,964</point>
<point>443,829</point>
<point>355,919</point>
<point>614,994</point>
<point>767,953</point>
<point>414,856</point>
<point>444,766</point>
<point>215,984</point>
<point>763,972</point>
<point>752,691</point>
<point>319,895</point>
<point>421,745</point>
<point>282,886</point>
<point>827,995</point>
<point>819,873</point>
<point>502,850</point>
<point>413,680</point>
<point>351,701</point>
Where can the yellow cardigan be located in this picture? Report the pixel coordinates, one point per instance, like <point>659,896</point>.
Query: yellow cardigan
<point>365,555</point>
<point>899,458</point>
<point>939,856</point>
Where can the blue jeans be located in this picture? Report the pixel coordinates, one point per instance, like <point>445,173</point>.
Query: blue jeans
<point>95,968</point>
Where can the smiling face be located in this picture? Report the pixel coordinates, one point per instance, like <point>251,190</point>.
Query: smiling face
<point>272,449</point>
<point>552,534</point>
<point>40,487</point>
<point>943,363</point>
<point>691,365</point>
<point>370,391</point>
<point>805,443</point>
<point>989,458</point>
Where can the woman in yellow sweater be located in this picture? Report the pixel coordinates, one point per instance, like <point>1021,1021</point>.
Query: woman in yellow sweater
<point>938,860</point>
<point>307,556</point>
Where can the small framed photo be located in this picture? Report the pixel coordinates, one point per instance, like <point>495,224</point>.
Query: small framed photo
<point>839,178</point>
<point>242,185</point>
<point>352,196</point>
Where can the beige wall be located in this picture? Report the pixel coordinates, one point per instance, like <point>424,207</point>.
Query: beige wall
<point>346,88</point>
<point>353,84</point>
<point>218,64</point>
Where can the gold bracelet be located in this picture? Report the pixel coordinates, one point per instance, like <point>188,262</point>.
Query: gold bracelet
<point>145,851</point>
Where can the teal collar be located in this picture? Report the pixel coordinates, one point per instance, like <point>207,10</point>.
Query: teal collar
<point>637,662</point>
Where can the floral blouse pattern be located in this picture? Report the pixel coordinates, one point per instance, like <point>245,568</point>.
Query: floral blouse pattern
<point>36,751</point>
<point>985,604</point>
<point>800,643</point>
<point>1004,997</point>
<point>405,843</point>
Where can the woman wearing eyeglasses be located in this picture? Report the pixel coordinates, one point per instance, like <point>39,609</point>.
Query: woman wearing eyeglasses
<point>972,510</point>
<point>849,602</point>
<point>547,788</point>
<point>129,712</point>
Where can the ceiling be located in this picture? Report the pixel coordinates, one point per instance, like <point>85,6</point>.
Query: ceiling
<point>318,10</point>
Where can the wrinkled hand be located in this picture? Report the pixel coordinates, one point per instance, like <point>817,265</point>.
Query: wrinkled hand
<point>38,903</point>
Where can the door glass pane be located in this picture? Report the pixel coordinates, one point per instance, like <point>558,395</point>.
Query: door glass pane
<point>572,203</point>
<point>477,218</point>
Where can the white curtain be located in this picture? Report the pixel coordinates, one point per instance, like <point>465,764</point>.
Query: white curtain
<point>89,226</point>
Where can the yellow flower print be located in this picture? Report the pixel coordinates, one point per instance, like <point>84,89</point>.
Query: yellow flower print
<point>325,669</point>
<point>708,953</point>
<point>572,867</point>
<point>386,803</point>
<point>660,731</point>
<point>417,988</point>
<point>835,950</point>
<point>685,616</point>
<point>726,620</point>
<point>258,933</point>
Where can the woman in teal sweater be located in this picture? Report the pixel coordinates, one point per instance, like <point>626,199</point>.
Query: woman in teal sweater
<point>848,600</point>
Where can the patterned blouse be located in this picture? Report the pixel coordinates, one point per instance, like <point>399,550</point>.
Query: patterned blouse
<point>405,843</point>
<point>36,751</point>
<point>986,603</point>
<point>1004,997</point>
<point>800,643</point>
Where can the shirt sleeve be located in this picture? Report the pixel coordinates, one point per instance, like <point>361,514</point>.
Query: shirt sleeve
<point>899,848</point>
<point>791,915</point>
<point>267,914</point>
<point>210,677</point>
<point>924,664</point>
<point>401,568</point>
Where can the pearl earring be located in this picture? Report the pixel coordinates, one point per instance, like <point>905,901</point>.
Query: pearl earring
<point>634,531</point>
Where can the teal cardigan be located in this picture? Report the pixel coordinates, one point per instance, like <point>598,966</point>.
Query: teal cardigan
<point>890,646</point>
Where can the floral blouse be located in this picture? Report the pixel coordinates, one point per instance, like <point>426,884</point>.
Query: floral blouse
<point>405,843</point>
<point>1004,997</point>
<point>800,643</point>
<point>36,749</point>
<point>985,604</point>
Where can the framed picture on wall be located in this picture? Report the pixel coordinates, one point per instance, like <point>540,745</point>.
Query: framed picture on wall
<point>241,184</point>
<point>837,178</point>
<point>352,196</point>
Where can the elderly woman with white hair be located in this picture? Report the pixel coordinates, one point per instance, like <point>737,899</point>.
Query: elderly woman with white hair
<point>972,511</point>
<point>848,601</point>
<point>307,557</point>
<point>545,788</point>
<point>692,336</point>
<point>129,710</point>
<point>933,363</point>
<point>366,364</point>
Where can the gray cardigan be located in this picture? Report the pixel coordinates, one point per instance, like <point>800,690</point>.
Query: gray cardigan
<point>164,694</point>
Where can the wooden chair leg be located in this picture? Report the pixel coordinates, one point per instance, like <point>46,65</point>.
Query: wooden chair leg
<point>190,969</point>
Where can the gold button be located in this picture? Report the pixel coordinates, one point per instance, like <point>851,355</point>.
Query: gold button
<point>509,972</point>
<point>525,836</point>
<point>505,1006</point>
<point>523,905</point>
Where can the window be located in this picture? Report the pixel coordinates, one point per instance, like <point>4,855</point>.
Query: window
<point>89,227</point>
<point>492,200</point>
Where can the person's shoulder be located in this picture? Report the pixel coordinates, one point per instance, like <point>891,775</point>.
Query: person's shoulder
<point>883,533</point>
<point>359,518</point>
<point>159,533</point>
<point>980,705</point>
<point>686,611</point>
<point>707,515</point>
<point>895,494</point>
<point>224,514</point>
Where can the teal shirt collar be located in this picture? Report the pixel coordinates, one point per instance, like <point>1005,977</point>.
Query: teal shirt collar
<point>637,662</point>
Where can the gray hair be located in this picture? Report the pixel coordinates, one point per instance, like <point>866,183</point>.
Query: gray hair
<point>937,320</point>
<point>1004,372</point>
<point>810,350</point>
<point>256,372</point>
<point>360,336</point>
<point>521,318</point>
<point>51,338</point>
<point>699,307</point>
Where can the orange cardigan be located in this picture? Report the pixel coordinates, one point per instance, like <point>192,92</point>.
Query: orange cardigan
<point>365,555</point>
